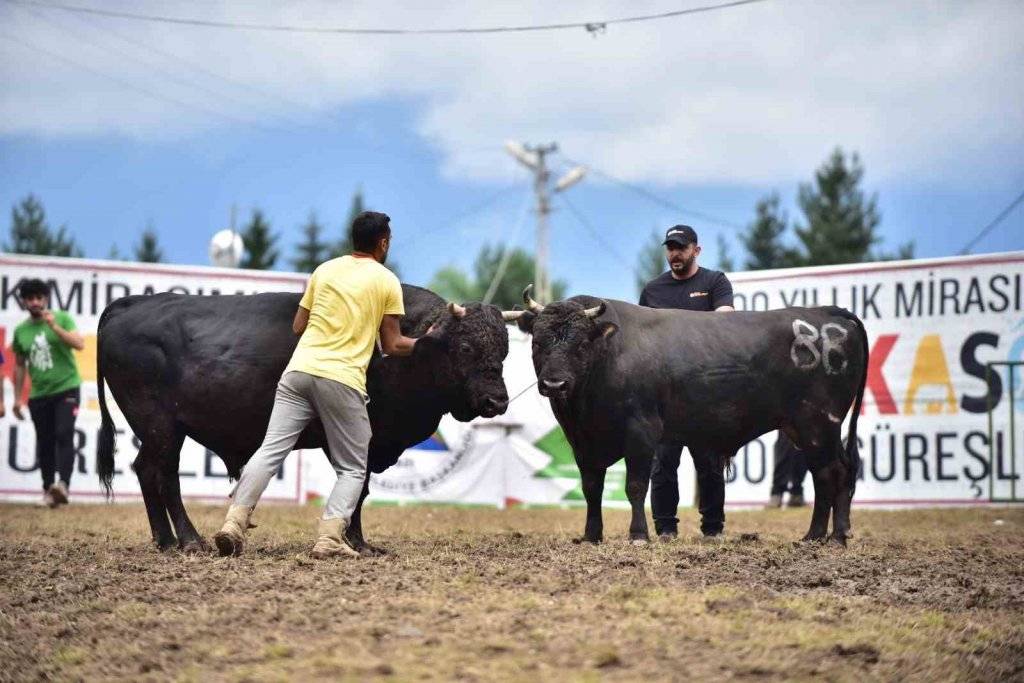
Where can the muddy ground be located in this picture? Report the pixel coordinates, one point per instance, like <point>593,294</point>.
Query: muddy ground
<point>481,594</point>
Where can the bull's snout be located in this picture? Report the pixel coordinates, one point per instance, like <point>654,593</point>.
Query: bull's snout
<point>494,406</point>
<point>553,387</point>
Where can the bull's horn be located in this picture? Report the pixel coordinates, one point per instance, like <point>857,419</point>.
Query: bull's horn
<point>456,310</point>
<point>528,300</point>
<point>595,311</point>
<point>512,316</point>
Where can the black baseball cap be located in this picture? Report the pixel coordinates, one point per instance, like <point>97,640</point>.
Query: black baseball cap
<point>681,235</point>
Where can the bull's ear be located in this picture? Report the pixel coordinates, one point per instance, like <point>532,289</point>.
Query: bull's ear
<point>605,329</point>
<point>434,340</point>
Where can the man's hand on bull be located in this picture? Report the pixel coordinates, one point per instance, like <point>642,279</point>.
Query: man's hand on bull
<point>392,341</point>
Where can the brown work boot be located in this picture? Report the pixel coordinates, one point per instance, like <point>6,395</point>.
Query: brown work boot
<point>231,536</point>
<point>774,502</point>
<point>331,541</point>
<point>59,493</point>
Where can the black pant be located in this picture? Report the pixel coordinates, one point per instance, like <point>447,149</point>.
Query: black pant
<point>790,468</point>
<point>54,420</point>
<point>665,489</point>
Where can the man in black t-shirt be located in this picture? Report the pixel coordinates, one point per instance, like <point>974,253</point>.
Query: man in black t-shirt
<point>689,287</point>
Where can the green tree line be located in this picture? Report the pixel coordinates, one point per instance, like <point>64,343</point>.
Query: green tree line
<point>838,223</point>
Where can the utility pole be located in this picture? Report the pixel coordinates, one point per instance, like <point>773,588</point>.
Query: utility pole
<point>534,157</point>
<point>542,276</point>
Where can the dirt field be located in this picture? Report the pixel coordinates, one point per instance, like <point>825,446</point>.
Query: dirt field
<point>481,594</point>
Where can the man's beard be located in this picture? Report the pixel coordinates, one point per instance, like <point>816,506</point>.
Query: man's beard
<point>36,312</point>
<point>682,265</point>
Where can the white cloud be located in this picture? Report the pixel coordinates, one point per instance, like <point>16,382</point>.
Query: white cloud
<point>756,94</point>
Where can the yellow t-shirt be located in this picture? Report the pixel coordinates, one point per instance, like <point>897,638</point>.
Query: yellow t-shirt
<point>346,298</point>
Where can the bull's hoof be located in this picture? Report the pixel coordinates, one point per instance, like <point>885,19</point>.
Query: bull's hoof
<point>368,550</point>
<point>165,544</point>
<point>583,539</point>
<point>813,537</point>
<point>837,539</point>
<point>195,547</point>
<point>639,539</point>
<point>365,549</point>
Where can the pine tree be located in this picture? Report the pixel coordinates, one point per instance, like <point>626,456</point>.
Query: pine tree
<point>762,239</point>
<point>452,284</point>
<point>260,253</point>
<point>31,233</point>
<point>148,250</point>
<point>840,220</point>
<point>904,252</point>
<point>313,250</point>
<point>650,263</point>
<point>520,271</point>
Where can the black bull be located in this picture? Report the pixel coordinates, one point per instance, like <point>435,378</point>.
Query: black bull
<point>623,379</point>
<point>207,367</point>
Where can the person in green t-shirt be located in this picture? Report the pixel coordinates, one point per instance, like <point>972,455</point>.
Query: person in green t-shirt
<point>42,345</point>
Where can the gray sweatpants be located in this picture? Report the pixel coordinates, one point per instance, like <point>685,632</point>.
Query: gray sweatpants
<point>342,410</point>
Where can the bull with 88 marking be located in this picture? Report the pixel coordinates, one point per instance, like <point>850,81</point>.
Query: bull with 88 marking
<point>623,378</point>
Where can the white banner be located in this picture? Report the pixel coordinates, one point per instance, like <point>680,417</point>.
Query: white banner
<point>933,325</point>
<point>83,288</point>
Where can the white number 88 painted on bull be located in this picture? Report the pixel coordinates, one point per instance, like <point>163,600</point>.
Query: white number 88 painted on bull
<point>806,336</point>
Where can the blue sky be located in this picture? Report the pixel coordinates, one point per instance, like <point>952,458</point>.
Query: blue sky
<point>115,124</point>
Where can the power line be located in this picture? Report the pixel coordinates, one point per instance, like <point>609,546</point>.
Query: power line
<point>167,73</point>
<point>590,26</point>
<point>507,252</point>
<point>996,221</point>
<point>578,215</point>
<point>657,199</point>
<point>459,217</point>
<point>130,85</point>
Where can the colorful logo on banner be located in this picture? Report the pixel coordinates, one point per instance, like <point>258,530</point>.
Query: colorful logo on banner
<point>930,389</point>
<point>563,467</point>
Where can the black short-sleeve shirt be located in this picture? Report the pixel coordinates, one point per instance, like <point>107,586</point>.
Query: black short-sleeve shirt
<point>706,290</point>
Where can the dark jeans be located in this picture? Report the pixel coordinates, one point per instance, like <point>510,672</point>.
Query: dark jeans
<point>665,490</point>
<point>790,468</point>
<point>54,420</point>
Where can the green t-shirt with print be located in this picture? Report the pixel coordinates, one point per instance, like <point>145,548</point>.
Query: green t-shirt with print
<point>51,365</point>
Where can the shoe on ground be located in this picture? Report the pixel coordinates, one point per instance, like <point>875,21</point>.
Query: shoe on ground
<point>774,502</point>
<point>331,541</point>
<point>231,538</point>
<point>59,493</point>
<point>796,501</point>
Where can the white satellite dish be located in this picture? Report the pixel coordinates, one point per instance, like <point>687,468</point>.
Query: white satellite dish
<point>226,249</point>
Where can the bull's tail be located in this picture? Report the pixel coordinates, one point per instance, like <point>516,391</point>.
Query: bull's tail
<point>851,454</point>
<point>105,445</point>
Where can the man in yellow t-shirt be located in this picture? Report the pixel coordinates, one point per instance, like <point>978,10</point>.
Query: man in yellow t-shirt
<point>348,300</point>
